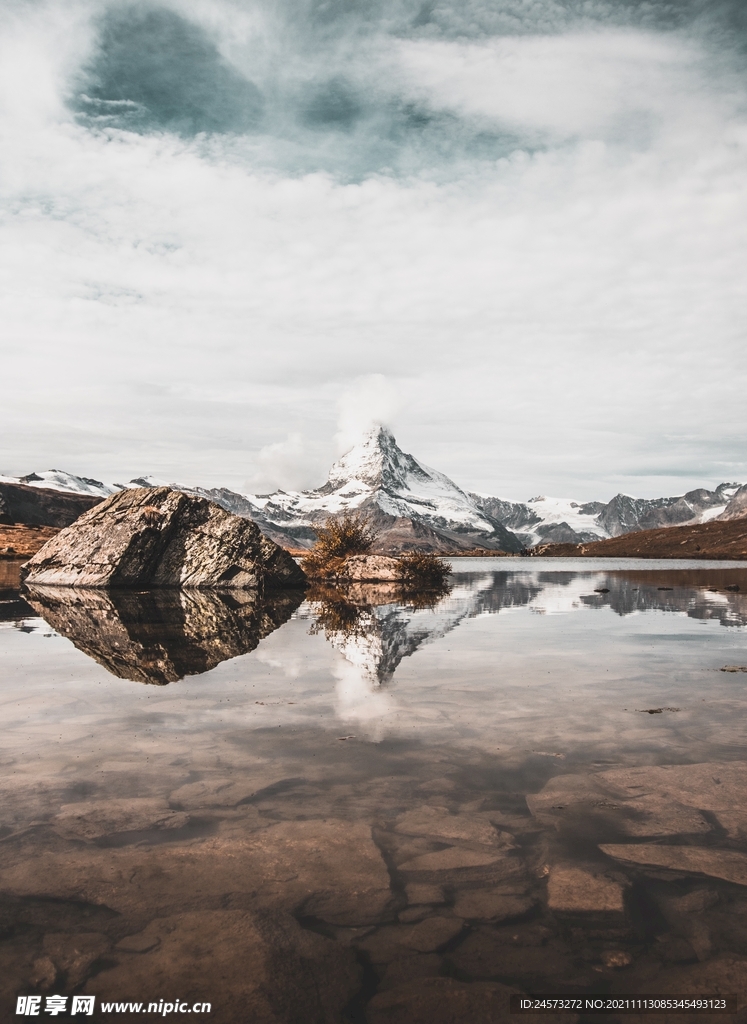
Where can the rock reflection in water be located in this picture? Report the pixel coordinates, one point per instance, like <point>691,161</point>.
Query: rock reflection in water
<point>160,636</point>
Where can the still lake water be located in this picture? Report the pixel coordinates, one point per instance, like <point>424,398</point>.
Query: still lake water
<point>359,808</point>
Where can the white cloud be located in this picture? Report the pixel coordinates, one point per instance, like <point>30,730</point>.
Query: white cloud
<point>566,319</point>
<point>289,465</point>
<point>608,84</point>
<point>368,402</point>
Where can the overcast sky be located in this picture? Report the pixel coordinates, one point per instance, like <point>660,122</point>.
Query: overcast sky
<point>236,232</point>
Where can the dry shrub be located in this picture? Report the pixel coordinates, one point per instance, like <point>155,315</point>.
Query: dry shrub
<point>318,566</point>
<point>338,539</point>
<point>421,570</point>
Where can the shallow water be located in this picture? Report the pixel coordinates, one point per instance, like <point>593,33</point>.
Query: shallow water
<point>360,808</point>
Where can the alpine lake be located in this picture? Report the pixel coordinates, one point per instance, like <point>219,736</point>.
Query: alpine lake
<point>358,806</point>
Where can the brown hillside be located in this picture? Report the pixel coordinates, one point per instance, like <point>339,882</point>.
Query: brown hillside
<point>42,506</point>
<point>21,541</point>
<point>704,540</point>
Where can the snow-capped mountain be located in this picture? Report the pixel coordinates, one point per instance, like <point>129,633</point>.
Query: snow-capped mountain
<point>409,503</point>
<point>413,506</point>
<point>544,520</point>
<point>57,480</point>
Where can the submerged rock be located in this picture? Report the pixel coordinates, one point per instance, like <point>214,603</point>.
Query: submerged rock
<point>429,935</point>
<point>577,889</point>
<point>326,869</point>
<point>499,905</point>
<point>651,800</point>
<point>329,870</point>
<point>249,967</point>
<point>158,537</point>
<point>731,865</point>
<point>439,1001</point>
<point>449,859</point>
<point>439,824</point>
<point>160,636</point>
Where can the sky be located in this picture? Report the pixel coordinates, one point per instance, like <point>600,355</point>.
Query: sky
<point>236,233</point>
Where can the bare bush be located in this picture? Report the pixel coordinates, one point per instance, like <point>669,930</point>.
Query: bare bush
<point>338,539</point>
<point>421,570</point>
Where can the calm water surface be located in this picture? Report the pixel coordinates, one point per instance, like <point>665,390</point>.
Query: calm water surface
<point>355,807</point>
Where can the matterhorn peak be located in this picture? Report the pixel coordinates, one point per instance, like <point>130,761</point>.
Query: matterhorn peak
<point>375,459</point>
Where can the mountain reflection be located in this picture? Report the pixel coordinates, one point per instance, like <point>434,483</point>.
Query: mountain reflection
<point>714,594</point>
<point>160,636</point>
<point>374,628</point>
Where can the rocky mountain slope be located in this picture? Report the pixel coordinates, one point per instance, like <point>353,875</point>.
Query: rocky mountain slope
<point>545,520</point>
<point>413,506</point>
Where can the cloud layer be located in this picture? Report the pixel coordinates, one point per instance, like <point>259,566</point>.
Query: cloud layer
<point>221,222</point>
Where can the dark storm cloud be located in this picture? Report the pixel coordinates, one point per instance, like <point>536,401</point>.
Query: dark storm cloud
<point>314,89</point>
<point>334,104</point>
<point>318,104</point>
<point>153,69</point>
<point>453,19</point>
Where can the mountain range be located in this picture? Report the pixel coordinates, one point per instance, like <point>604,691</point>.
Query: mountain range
<point>413,506</point>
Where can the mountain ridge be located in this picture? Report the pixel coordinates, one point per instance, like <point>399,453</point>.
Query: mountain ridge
<point>412,506</point>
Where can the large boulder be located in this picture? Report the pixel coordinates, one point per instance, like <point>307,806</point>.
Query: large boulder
<point>159,537</point>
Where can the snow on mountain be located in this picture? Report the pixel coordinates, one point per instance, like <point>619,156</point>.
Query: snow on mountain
<point>378,470</point>
<point>399,493</point>
<point>737,504</point>
<point>544,520</point>
<point>713,513</point>
<point>413,506</point>
<point>57,480</point>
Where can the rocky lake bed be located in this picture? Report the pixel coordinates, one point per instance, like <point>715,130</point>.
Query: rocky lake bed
<point>353,807</point>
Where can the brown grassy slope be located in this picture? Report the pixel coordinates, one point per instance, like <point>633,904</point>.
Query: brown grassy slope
<point>704,540</point>
<point>21,541</point>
